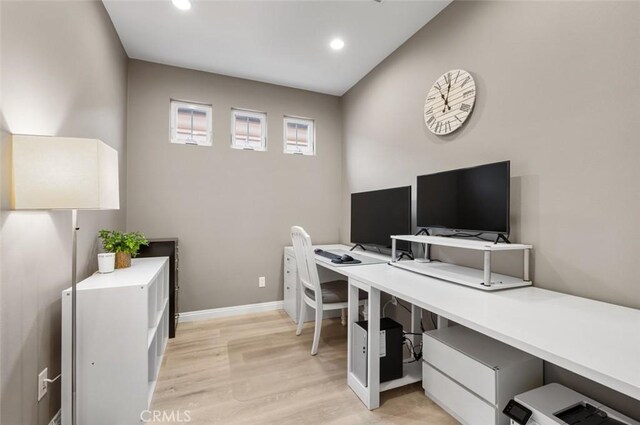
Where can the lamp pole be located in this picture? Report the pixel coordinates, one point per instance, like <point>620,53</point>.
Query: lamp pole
<point>74,260</point>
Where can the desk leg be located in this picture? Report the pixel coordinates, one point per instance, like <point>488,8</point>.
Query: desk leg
<point>373,352</point>
<point>352,317</point>
<point>368,394</point>
<point>527,253</point>
<point>416,323</point>
<point>442,322</point>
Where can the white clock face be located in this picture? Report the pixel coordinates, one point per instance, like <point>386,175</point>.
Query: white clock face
<point>449,102</point>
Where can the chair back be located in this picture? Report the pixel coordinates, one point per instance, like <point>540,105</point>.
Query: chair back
<point>305,260</point>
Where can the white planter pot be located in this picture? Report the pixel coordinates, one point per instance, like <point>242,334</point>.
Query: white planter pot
<point>106,262</point>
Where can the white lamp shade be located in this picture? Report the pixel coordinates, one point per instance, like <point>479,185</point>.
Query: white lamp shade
<point>63,173</point>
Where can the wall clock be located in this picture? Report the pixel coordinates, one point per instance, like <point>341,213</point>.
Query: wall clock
<point>449,102</point>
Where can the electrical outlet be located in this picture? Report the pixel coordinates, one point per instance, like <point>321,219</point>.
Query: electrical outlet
<point>42,384</point>
<point>262,282</point>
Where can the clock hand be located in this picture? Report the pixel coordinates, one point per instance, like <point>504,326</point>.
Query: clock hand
<point>446,100</point>
<point>446,103</point>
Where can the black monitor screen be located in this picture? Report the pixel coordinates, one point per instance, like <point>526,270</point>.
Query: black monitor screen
<point>377,215</point>
<point>473,199</point>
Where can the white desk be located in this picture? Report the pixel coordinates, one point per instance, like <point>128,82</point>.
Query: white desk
<point>597,340</point>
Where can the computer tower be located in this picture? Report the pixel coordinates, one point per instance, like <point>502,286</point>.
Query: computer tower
<point>390,350</point>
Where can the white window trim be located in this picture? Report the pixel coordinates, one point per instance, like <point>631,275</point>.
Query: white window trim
<point>262,116</point>
<point>206,108</point>
<point>311,150</point>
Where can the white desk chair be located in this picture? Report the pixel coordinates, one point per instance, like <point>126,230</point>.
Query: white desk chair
<point>326,296</point>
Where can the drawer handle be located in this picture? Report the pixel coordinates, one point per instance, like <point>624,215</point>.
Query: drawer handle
<point>288,272</point>
<point>288,287</point>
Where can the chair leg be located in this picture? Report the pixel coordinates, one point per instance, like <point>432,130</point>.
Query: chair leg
<point>343,317</point>
<point>301,317</point>
<point>316,334</point>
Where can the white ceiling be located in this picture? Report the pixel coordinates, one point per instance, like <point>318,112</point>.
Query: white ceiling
<point>280,42</point>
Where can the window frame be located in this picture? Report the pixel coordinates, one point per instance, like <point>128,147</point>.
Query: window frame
<point>262,116</point>
<point>199,106</point>
<point>310,150</point>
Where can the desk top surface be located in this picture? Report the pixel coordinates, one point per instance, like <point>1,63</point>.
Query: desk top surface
<point>597,340</point>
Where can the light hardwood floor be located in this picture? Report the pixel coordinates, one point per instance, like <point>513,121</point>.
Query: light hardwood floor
<point>252,369</point>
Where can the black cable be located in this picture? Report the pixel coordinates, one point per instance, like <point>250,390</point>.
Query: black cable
<point>417,355</point>
<point>467,235</point>
<point>403,306</point>
<point>411,347</point>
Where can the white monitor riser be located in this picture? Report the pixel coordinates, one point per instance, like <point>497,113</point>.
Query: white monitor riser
<point>480,279</point>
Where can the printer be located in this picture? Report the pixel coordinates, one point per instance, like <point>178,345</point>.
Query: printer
<point>554,404</point>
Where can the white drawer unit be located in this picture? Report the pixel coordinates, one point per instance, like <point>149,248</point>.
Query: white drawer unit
<point>289,259</point>
<point>291,298</point>
<point>473,376</point>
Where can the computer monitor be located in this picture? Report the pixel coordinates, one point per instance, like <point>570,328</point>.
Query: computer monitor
<point>472,199</point>
<point>378,214</point>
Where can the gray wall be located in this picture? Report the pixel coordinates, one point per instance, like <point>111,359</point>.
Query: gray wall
<point>231,209</point>
<point>64,73</point>
<point>558,95</point>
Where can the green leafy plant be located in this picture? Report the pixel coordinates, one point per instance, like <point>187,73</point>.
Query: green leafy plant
<point>129,243</point>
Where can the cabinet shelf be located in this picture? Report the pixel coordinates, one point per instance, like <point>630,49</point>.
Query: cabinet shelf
<point>152,330</point>
<point>154,379</point>
<point>411,373</point>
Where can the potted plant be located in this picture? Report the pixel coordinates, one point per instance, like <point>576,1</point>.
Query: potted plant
<point>124,245</point>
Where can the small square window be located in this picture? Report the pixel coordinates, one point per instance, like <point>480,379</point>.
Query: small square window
<point>191,123</point>
<point>248,130</point>
<point>299,136</point>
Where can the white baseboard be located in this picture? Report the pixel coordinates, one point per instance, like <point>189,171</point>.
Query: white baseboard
<point>56,419</point>
<point>191,316</point>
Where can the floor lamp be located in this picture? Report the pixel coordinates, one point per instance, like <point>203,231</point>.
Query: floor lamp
<point>61,173</point>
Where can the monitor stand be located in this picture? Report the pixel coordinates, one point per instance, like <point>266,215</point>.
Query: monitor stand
<point>358,245</point>
<point>503,237</point>
<point>423,230</point>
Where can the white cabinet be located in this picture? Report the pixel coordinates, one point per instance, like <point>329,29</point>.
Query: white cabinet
<point>473,376</point>
<point>122,331</point>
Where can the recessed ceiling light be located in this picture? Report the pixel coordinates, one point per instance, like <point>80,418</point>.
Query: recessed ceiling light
<point>336,44</point>
<point>182,4</point>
